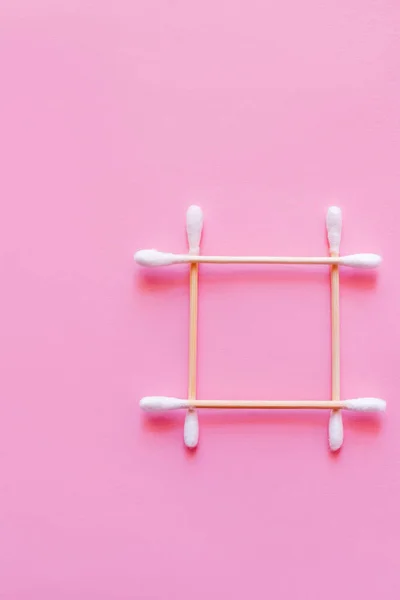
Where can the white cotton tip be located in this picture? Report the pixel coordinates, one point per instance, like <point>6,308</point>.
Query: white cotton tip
<point>154,258</point>
<point>334,227</point>
<point>335,430</point>
<point>159,403</point>
<point>191,429</point>
<point>366,404</point>
<point>362,261</point>
<point>194,227</point>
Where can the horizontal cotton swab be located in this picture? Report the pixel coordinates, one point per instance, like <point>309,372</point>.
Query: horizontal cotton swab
<point>155,258</point>
<point>161,403</point>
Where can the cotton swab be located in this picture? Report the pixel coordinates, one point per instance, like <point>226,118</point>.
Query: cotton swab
<point>161,403</point>
<point>155,258</point>
<point>194,228</point>
<point>334,231</point>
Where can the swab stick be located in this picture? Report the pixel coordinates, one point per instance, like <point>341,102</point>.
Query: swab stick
<point>161,403</point>
<point>194,227</point>
<point>334,231</point>
<point>155,258</point>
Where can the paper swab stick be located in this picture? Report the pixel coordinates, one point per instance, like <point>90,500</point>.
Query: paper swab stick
<point>194,227</point>
<point>155,258</point>
<point>161,403</point>
<point>334,231</point>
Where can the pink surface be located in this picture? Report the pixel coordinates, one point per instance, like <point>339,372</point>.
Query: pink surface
<point>114,116</point>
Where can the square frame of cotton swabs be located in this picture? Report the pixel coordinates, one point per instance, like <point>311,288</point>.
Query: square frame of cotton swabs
<point>191,405</point>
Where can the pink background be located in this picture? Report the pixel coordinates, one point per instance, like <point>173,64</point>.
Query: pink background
<point>114,116</point>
